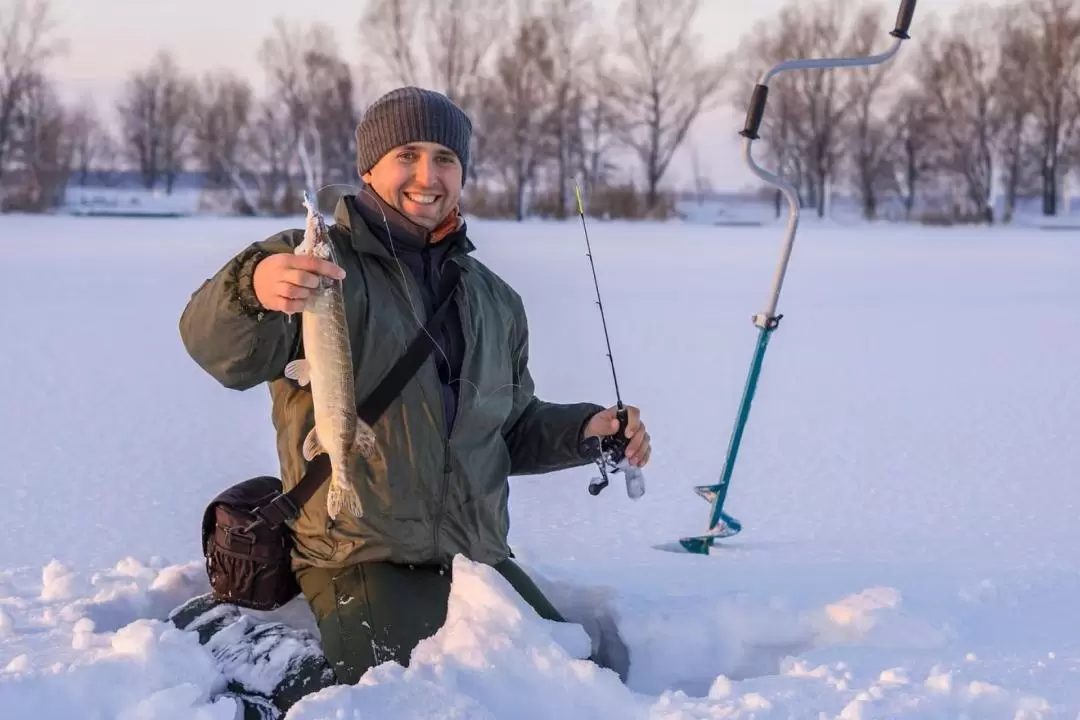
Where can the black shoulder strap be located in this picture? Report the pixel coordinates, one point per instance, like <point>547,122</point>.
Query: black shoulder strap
<point>287,507</point>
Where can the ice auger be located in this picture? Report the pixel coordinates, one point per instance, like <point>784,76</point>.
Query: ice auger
<point>721,524</point>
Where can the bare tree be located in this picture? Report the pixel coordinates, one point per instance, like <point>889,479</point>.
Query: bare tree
<point>826,97</point>
<point>92,147</point>
<point>661,84</point>
<point>957,76</point>
<point>41,146</point>
<point>914,147</point>
<point>573,46</point>
<point>440,44</point>
<point>1054,71</point>
<point>595,135</point>
<point>516,110</point>
<point>873,148</point>
<point>699,175</point>
<point>314,88</point>
<point>334,95</point>
<point>26,46</point>
<point>765,45</point>
<point>154,114</point>
<point>268,160</point>
<point>221,112</point>
<point>1013,143</point>
<point>807,110</point>
<point>389,29</point>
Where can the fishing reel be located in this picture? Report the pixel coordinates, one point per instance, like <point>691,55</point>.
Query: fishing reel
<point>609,454</point>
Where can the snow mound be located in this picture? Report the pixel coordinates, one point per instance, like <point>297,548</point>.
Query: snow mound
<point>147,669</point>
<point>116,652</point>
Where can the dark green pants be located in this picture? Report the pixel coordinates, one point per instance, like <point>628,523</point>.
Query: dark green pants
<point>374,612</point>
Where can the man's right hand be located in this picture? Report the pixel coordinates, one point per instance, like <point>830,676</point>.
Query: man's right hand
<point>284,281</point>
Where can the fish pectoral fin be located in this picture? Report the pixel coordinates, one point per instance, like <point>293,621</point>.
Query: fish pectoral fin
<point>299,370</point>
<point>312,446</point>
<point>364,440</point>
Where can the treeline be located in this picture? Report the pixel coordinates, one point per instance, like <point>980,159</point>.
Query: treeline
<point>984,102</point>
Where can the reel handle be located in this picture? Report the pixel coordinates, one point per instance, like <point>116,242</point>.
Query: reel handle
<point>611,457</point>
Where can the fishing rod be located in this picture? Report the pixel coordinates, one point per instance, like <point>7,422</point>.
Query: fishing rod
<point>610,451</point>
<point>721,524</point>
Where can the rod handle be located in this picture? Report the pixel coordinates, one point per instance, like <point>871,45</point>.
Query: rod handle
<point>756,113</point>
<point>903,20</point>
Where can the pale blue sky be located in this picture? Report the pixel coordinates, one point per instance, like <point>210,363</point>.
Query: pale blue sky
<point>108,38</point>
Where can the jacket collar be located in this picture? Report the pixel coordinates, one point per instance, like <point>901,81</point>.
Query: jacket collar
<point>367,217</point>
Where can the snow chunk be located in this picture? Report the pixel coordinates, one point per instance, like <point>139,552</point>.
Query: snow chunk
<point>894,676</point>
<point>939,682</point>
<point>494,657</point>
<point>60,583</point>
<point>873,617</point>
<point>148,669</point>
<point>720,689</point>
<point>18,664</point>
<point>139,592</point>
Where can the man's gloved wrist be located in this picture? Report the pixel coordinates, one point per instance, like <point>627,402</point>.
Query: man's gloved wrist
<point>244,282</point>
<point>589,446</point>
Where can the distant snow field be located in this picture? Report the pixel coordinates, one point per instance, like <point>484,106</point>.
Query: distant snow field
<point>909,482</point>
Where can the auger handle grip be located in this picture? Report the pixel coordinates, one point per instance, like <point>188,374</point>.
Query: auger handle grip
<point>903,20</point>
<point>756,112</point>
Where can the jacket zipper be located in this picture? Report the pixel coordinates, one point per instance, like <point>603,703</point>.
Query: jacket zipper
<point>409,281</point>
<point>440,510</point>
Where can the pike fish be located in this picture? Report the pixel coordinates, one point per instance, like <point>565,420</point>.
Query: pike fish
<point>327,366</point>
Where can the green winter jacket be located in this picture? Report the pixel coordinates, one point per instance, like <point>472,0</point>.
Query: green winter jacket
<point>426,497</point>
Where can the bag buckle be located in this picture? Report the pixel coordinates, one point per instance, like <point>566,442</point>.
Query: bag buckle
<point>277,512</point>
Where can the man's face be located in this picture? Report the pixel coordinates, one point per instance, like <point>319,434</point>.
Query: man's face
<point>422,180</point>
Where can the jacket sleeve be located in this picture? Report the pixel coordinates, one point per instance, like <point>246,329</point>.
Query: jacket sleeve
<point>228,333</point>
<point>542,436</point>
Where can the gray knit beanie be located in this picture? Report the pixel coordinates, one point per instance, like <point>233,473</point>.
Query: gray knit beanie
<point>412,114</point>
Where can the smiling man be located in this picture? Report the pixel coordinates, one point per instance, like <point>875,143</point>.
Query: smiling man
<point>437,484</point>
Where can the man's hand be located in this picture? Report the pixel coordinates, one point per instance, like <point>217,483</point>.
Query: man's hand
<point>283,281</point>
<point>605,423</point>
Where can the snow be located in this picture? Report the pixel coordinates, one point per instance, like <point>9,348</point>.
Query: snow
<point>907,481</point>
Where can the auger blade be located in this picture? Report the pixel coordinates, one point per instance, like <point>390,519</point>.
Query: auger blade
<point>708,492</point>
<point>726,527</point>
<point>696,545</point>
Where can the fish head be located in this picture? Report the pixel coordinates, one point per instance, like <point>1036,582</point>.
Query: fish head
<point>317,238</point>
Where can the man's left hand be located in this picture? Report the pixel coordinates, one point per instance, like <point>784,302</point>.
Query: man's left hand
<point>605,423</point>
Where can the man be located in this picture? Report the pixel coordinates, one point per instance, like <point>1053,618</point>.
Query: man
<point>437,486</point>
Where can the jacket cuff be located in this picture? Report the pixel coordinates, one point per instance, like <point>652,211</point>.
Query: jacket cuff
<point>589,448</point>
<point>241,283</point>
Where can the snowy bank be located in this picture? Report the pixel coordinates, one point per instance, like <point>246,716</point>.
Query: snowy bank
<point>114,652</point>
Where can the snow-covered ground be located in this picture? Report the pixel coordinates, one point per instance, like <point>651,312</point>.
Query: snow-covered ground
<point>909,482</point>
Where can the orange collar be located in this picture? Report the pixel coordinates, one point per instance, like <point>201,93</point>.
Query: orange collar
<point>447,226</point>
